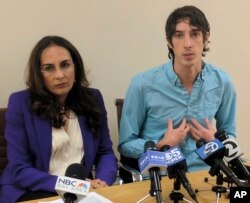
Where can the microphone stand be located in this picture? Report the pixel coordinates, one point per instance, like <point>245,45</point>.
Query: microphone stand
<point>219,189</point>
<point>155,187</point>
<point>176,195</point>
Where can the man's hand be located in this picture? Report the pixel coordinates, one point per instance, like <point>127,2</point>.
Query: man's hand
<point>174,137</point>
<point>197,131</point>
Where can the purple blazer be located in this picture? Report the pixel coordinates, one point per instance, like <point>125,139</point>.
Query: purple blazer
<point>29,140</point>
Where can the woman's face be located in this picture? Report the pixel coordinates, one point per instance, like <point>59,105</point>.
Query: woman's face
<point>58,71</point>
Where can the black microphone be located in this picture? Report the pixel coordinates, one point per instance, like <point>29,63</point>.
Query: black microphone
<point>232,155</point>
<point>177,167</point>
<point>154,171</point>
<point>77,171</point>
<point>72,187</point>
<point>212,153</point>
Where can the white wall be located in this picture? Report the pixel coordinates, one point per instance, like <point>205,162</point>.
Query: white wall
<point>119,38</point>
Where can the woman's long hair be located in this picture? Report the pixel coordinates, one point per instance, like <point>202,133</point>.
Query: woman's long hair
<point>79,99</point>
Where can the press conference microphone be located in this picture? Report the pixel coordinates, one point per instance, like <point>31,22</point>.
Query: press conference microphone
<point>212,153</point>
<point>232,155</point>
<point>72,187</point>
<point>177,167</point>
<point>152,161</point>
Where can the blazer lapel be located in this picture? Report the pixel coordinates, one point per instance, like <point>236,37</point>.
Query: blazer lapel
<point>88,141</point>
<point>43,132</point>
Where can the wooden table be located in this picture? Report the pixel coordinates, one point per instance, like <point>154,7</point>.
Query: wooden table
<point>133,192</point>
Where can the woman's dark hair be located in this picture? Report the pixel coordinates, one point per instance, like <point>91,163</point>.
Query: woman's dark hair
<point>79,98</point>
<point>196,18</point>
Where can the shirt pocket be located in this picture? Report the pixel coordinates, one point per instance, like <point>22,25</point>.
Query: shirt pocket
<point>207,104</point>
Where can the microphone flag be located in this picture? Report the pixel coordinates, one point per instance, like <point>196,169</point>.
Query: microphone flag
<point>152,158</point>
<point>72,185</point>
<point>174,156</point>
<point>209,148</point>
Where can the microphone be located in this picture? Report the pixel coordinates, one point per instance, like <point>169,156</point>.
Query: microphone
<point>232,155</point>
<point>151,162</point>
<point>151,158</point>
<point>177,167</point>
<point>72,187</point>
<point>212,154</point>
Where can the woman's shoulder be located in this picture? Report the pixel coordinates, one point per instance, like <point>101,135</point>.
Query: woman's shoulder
<point>96,95</point>
<point>22,95</point>
<point>19,101</point>
<point>93,92</point>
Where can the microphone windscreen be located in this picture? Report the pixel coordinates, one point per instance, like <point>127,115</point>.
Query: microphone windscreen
<point>219,131</point>
<point>200,142</point>
<point>165,148</point>
<point>77,171</point>
<point>221,135</point>
<point>149,145</point>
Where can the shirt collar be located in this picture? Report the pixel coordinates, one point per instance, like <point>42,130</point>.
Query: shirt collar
<point>171,74</point>
<point>173,77</point>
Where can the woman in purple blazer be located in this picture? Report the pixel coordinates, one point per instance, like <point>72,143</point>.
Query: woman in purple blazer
<point>57,121</point>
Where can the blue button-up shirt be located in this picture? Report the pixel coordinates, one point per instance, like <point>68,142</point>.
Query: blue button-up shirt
<point>156,95</point>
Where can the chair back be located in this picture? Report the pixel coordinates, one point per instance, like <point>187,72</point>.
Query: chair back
<point>3,146</point>
<point>130,162</point>
<point>119,105</point>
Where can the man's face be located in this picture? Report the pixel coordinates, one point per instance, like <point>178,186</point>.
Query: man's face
<point>187,44</point>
